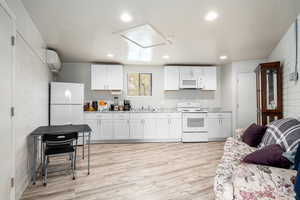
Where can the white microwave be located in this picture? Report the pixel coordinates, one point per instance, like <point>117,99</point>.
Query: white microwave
<point>188,83</point>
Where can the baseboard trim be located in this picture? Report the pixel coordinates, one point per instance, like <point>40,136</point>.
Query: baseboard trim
<point>134,141</point>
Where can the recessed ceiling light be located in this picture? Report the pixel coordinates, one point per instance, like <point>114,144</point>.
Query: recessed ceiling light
<point>166,57</point>
<point>110,55</point>
<point>211,16</point>
<point>223,57</point>
<point>126,17</point>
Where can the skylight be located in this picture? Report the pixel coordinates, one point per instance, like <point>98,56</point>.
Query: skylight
<point>145,36</point>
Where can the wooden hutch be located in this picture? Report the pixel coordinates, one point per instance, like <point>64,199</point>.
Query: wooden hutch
<point>269,92</point>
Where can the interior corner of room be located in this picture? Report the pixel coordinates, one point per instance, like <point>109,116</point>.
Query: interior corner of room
<point>130,81</point>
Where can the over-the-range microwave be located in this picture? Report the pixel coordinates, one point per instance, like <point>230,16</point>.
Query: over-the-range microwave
<point>188,83</point>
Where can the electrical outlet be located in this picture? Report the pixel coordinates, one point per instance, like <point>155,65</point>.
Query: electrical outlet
<point>293,76</point>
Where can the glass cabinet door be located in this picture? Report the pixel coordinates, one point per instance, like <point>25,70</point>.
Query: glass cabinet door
<point>271,89</point>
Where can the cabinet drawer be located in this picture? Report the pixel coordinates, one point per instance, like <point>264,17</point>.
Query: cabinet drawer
<point>120,116</point>
<point>138,116</point>
<point>219,115</point>
<point>97,116</point>
<point>168,115</point>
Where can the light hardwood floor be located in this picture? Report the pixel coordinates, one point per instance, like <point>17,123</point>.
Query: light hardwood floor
<point>143,171</point>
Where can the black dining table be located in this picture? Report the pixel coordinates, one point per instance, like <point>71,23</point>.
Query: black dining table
<point>82,129</point>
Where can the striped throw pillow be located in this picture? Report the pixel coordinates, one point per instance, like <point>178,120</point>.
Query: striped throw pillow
<point>285,132</point>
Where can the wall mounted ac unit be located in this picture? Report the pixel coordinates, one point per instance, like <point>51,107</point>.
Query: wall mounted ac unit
<point>53,61</point>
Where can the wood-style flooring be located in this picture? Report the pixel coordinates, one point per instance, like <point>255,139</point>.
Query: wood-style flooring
<point>142,171</point>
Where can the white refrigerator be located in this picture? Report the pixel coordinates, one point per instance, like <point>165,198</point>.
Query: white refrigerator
<point>66,103</point>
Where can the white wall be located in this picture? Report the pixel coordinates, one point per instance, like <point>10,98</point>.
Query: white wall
<point>239,67</point>
<point>226,86</point>
<point>30,93</point>
<point>286,54</point>
<point>80,72</point>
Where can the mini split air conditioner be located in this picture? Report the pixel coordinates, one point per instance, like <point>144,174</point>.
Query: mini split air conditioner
<point>53,61</point>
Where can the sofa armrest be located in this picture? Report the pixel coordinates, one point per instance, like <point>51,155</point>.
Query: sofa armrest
<point>238,134</point>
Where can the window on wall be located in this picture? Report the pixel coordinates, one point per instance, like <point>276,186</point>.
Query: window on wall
<point>139,84</point>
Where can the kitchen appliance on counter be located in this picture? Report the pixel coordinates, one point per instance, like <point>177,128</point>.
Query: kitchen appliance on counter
<point>127,105</point>
<point>66,103</point>
<point>95,105</point>
<point>194,122</point>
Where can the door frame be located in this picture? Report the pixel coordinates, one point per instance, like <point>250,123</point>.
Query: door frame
<point>11,15</point>
<point>237,96</point>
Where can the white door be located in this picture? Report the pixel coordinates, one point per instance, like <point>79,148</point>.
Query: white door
<point>121,129</point>
<point>6,145</point>
<point>66,114</point>
<point>150,129</point>
<point>98,77</point>
<point>246,100</point>
<point>115,77</point>
<point>174,129</point>
<point>171,78</point>
<point>106,129</point>
<point>136,129</point>
<point>67,93</point>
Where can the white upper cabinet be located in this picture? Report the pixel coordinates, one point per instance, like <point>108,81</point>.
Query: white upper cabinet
<point>106,77</point>
<point>171,78</point>
<point>209,78</point>
<point>179,77</point>
<point>98,77</point>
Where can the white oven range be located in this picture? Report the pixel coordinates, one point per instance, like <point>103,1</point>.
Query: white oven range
<point>194,122</point>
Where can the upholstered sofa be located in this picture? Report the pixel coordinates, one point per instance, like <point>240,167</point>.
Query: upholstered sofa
<point>236,180</point>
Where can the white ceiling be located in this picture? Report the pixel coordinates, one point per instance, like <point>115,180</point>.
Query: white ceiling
<point>84,30</point>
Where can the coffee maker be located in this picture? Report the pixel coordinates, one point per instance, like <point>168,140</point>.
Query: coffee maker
<point>127,105</point>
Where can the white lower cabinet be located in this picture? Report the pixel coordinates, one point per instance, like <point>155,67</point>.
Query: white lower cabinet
<point>94,125</point>
<point>121,129</point>
<point>174,128</point>
<point>226,127</point>
<point>106,130</point>
<point>150,128</point>
<point>219,126</point>
<point>162,128</point>
<point>136,128</point>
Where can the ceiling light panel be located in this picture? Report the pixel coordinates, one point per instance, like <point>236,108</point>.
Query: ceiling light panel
<point>145,36</point>
<point>211,16</point>
<point>126,17</point>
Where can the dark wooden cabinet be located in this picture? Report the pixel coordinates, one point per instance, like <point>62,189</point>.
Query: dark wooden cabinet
<point>269,92</point>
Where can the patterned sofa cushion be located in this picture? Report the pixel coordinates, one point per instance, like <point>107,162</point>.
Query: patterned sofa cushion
<point>258,182</point>
<point>234,151</point>
<point>285,132</point>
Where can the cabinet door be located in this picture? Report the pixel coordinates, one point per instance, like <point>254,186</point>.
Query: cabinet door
<point>174,128</point>
<point>136,129</point>
<point>121,129</point>
<point>94,125</point>
<point>162,131</point>
<point>98,77</point>
<point>226,127</point>
<point>171,78</point>
<point>214,130</point>
<point>210,78</point>
<point>115,77</point>
<point>150,129</point>
<point>199,75</point>
<point>106,129</point>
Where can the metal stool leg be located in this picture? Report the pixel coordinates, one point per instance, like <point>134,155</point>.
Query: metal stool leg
<point>83,146</point>
<point>46,170</point>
